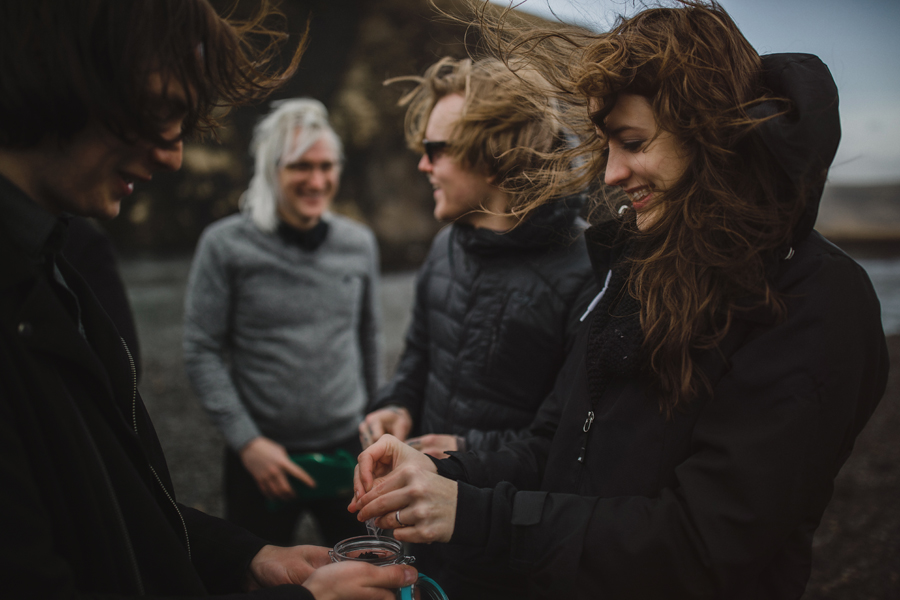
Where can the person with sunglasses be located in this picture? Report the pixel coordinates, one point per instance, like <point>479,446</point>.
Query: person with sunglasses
<point>499,297</point>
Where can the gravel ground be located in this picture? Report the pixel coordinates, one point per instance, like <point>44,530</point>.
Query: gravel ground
<point>856,549</point>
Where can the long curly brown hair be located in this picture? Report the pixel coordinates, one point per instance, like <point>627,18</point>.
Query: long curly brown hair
<point>725,221</point>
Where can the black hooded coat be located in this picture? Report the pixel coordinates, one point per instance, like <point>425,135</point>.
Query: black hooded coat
<point>87,507</point>
<point>612,500</point>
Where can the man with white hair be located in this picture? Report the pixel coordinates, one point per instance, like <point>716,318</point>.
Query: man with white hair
<point>281,336</point>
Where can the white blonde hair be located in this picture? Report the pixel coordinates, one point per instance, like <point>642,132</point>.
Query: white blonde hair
<point>273,145</point>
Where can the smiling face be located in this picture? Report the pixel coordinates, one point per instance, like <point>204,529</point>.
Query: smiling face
<point>643,166</point>
<point>459,192</point>
<point>92,172</point>
<point>308,184</point>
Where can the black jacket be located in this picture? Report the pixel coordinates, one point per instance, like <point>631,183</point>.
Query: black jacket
<point>494,316</point>
<point>86,502</point>
<point>722,501</point>
<point>90,250</point>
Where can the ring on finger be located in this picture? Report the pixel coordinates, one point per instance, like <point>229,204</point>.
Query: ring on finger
<point>399,522</point>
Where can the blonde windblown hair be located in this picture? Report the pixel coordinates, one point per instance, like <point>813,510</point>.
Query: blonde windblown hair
<point>282,136</point>
<point>501,133</point>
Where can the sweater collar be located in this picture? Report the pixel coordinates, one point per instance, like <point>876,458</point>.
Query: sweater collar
<point>553,224</point>
<point>308,240</point>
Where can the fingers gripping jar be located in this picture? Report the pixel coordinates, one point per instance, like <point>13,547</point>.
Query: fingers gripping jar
<point>382,551</point>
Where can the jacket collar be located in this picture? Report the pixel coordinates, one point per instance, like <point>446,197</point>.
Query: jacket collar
<point>27,225</point>
<point>551,225</point>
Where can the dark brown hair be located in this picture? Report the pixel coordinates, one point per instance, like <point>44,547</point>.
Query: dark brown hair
<point>722,225</point>
<point>65,62</point>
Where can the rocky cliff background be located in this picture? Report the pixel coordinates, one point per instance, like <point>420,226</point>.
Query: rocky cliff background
<point>355,45</point>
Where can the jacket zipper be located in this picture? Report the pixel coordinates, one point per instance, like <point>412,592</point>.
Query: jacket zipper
<point>585,428</point>
<point>152,470</point>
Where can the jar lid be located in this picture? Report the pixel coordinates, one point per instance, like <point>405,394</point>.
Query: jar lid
<point>380,551</point>
<point>373,550</point>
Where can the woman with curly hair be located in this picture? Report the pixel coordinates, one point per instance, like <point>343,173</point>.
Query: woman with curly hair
<point>722,375</point>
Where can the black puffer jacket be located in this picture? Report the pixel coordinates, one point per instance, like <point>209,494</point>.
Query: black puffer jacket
<point>494,317</point>
<point>612,500</point>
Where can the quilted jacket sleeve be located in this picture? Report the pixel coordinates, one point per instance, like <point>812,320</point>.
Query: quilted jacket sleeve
<point>407,387</point>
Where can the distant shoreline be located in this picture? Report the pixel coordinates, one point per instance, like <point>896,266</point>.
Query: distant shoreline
<point>876,247</point>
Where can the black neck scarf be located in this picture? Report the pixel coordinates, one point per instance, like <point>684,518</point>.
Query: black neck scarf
<point>307,240</point>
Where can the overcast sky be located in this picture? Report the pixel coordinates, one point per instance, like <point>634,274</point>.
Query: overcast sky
<point>859,40</point>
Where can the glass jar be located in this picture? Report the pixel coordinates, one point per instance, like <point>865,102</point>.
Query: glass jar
<point>381,551</point>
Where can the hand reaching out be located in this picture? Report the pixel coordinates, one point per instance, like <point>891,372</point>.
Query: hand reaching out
<point>311,567</point>
<point>380,459</point>
<point>275,565</point>
<point>394,420</point>
<point>269,464</point>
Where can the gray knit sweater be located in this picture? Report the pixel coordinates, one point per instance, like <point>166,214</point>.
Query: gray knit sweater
<point>279,341</point>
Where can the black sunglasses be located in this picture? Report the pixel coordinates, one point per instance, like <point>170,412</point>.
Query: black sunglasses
<point>433,149</point>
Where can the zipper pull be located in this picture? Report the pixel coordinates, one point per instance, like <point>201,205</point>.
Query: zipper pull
<point>588,422</point>
<point>587,426</point>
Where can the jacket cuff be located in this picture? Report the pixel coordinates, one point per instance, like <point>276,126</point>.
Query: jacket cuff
<point>240,433</point>
<point>450,468</point>
<point>473,515</point>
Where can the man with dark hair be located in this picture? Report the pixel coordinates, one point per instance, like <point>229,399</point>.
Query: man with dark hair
<point>95,96</point>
